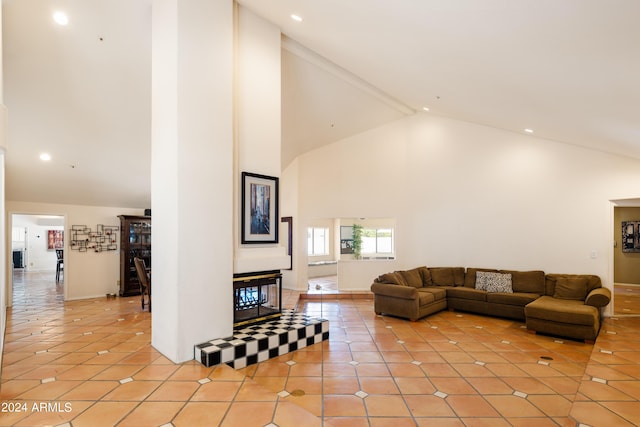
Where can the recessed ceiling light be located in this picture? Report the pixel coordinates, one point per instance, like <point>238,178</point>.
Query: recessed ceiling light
<point>425,108</point>
<point>45,157</point>
<point>61,18</point>
<point>296,18</point>
<point>528,130</point>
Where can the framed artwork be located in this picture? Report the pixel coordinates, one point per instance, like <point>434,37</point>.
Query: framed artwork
<point>346,239</point>
<point>55,239</point>
<point>259,208</point>
<point>630,236</point>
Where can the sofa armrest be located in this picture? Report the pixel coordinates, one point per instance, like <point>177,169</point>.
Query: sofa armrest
<point>397,291</point>
<point>599,297</point>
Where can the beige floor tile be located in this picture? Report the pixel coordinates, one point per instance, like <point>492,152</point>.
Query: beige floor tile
<point>310,385</point>
<point>249,414</point>
<point>428,406</point>
<point>338,385</point>
<point>84,350</point>
<point>453,385</point>
<point>11,389</point>
<point>386,406</point>
<point>118,372</point>
<point>466,406</point>
<point>90,390</point>
<point>174,391</point>
<point>155,372</point>
<point>597,415</point>
<point>514,406</point>
<point>201,414</point>
<point>51,413</point>
<point>132,391</point>
<point>343,406</point>
<point>294,415</point>
<point>310,402</point>
<point>103,414</point>
<point>48,391</point>
<point>152,414</point>
<point>347,422</point>
<point>552,405</point>
<point>254,392</point>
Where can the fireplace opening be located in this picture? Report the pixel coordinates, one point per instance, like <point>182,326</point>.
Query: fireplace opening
<point>257,297</point>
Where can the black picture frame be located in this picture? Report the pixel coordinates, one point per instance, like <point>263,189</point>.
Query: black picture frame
<point>259,222</point>
<point>630,236</point>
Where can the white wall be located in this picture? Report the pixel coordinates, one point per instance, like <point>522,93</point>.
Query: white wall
<point>469,195</point>
<point>86,274</point>
<point>258,127</point>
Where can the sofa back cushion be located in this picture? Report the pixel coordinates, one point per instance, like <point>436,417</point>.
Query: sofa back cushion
<point>447,276</point>
<point>426,276</point>
<point>394,278</point>
<point>530,282</point>
<point>412,277</point>
<point>551,280</point>
<point>470,276</point>
<point>574,288</point>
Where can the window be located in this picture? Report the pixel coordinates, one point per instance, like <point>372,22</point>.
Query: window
<point>17,234</point>
<point>317,241</point>
<point>377,241</point>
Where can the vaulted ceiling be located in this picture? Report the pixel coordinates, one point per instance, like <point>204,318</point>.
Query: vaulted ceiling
<point>568,70</point>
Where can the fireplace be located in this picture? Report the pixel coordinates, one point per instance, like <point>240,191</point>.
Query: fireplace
<point>257,297</point>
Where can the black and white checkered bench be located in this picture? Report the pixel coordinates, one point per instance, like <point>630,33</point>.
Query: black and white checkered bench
<point>259,342</point>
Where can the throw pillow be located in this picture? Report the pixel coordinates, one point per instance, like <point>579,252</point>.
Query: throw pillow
<point>500,282</point>
<point>482,278</point>
<point>494,282</point>
<point>574,288</point>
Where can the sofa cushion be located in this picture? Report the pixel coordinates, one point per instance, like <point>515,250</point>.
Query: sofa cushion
<point>412,277</point>
<point>527,281</point>
<point>493,282</point>
<point>447,276</point>
<point>517,298</point>
<point>593,282</point>
<point>394,278</point>
<point>574,288</point>
<point>439,293</point>
<point>426,276</point>
<point>425,298</point>
<point>563,311</point>
<point>470,276</point>
<point>463,292</point>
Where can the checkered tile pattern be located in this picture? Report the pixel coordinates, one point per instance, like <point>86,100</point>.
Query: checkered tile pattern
<point>259,342</point>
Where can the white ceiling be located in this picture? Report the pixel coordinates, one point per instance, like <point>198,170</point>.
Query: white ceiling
<point>82,93</point>
<point>568,69</point>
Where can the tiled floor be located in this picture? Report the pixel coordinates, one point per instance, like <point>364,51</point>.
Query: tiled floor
<point>627,299</point>
<point>90,363</point>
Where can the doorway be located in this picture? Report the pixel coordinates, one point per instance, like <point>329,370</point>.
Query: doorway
<point>626,257</point>
<point>36,260</point>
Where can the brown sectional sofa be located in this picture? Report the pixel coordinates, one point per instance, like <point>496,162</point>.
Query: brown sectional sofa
<point>558,304</point>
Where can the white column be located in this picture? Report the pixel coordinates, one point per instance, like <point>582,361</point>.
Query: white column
<point>192,174</point>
